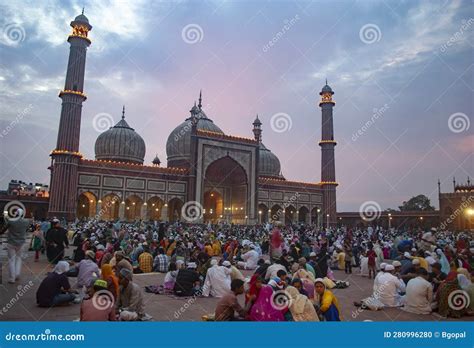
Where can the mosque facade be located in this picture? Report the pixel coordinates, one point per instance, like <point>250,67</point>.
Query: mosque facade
<point>210,176</point>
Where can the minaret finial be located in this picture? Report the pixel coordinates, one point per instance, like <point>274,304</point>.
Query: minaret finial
<point>439,186</point>
<point>200,99</point>
<point>123,113</point>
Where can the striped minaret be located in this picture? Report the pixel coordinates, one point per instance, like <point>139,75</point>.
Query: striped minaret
<point>65,158</point>
<point>328,169</point>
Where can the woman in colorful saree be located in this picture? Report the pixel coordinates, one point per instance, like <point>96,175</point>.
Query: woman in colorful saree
<point>327,302</point>
<point>265,306</point>
<point>446,296</point>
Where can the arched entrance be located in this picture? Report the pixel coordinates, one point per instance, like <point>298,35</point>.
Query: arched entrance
<point>109,209</point>
<point>213,206</point>
<point>262,213</point>
<point>276,213</point>
<point>154,206</point>
<point>86,206</point>
<point>290,214</point>
<point>226,177</point>
<point>174,209</point>
<point>133,206</point>
<point>315,212</point>
<point>303,215</point>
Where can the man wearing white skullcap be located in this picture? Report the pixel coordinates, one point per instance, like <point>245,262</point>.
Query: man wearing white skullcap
<point>218,279</point>
<point>16,225</point>
<point>390,288</point>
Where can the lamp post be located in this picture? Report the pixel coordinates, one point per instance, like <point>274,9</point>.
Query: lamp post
<point>319,217</point>
<point>389,221</point>
<point>327,215</point>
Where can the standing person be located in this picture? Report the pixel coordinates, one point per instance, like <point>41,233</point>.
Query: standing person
<point>56,241</point>
<point>371,255</point>
<point>276,244</point>
<point>38,241</point>
<point>348,257</point>
<point>16,237</point>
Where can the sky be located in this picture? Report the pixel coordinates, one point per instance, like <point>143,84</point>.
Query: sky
<point>402,73</point>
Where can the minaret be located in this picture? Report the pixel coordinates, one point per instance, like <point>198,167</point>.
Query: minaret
<point>65,158</point>
<point>328,170</point>
<point>194,153</point>
<point>257,130</point>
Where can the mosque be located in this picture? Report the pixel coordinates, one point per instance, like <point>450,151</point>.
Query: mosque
<point>210,176</point>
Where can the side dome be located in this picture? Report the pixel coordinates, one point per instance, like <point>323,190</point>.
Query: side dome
<point>269,164</point>
<point>121,144</point>
<point>178,145</point>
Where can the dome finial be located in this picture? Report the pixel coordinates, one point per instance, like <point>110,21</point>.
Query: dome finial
<point>123,113</point>
<point>200,100</point>
<point>83,9</point>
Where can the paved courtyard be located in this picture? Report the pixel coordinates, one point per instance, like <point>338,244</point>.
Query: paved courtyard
<point>18,301</point>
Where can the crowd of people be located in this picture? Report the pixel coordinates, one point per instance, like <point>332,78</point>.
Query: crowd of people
<point>284,273</point>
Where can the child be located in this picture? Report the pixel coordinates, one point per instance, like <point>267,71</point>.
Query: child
<point>371,262</point>
<point>170,277</point>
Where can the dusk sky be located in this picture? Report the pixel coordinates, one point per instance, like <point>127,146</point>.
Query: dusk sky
<point>402,73</point>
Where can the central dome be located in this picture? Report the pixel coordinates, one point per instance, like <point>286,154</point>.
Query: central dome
<point>120,143</point>
<point>269,164</point>
<point>178,145</point>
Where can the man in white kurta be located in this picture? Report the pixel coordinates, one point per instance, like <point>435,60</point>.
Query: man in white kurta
<point>390,288</point>
<point>217,283</point>
<point>250,259</point>
<point>419,294</point>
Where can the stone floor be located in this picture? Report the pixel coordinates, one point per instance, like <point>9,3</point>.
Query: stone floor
<point>17,301</point>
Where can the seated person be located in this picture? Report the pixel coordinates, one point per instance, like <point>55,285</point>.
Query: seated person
<point>187,281</point>
<point>419,294</point>
<point>228,306</point>
<point>436,276</point>
<point>250,259</point>
<point>217,282</point>
<point>145,261</point>
<point>100,305</point>
<point>55,289</point>
<point>326,302</point>
<point>130,301</point>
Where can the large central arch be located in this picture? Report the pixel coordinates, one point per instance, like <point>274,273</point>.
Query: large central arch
<point>226,191</point>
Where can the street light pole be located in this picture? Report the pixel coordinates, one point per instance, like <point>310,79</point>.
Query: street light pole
<point>327,221</point>
<point>389,221</point>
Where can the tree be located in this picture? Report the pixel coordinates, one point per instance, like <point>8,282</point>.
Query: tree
<point>417,203</point>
